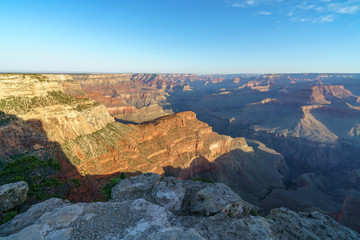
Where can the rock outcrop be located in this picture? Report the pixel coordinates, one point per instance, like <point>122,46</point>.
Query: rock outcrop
<point>27,85</point>
<point>12,195</point>
<point>130,97</point>
<point>146,218</point>
<point>217,198</point>
<point>178,145</point>
<point>170,141</point>
<point>34,111</point>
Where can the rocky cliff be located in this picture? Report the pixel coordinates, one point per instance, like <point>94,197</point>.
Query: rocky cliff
<point>35,111</point>
<point>151,207</point>
<point>174,140</point>
<point>182,146</point>
<point>131,97</point>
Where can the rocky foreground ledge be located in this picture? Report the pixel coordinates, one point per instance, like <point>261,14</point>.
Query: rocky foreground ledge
<point>153,207</point>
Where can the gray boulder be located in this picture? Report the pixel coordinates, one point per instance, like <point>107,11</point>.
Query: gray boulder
<point>290,225</point>
<point>31,215</point>
<point>147,219</point>
<point>218,197</point>
<point>169,193</point>
<point>135,187</point>
<point>240,208</point>
<point>12,195</point>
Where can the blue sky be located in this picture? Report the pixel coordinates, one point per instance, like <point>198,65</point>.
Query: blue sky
<point>180,36</point>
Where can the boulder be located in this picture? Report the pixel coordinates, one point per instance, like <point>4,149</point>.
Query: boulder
<point>146,219</point>
<point>135,187</point>
<point>216,198</point>
<point>12,195</point>
<point>240,208</point>
<point>31,215</point>
<point>314,225</point>
<point>169,193</point>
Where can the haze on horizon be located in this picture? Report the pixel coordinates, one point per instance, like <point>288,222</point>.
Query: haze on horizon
<point>172,36</point>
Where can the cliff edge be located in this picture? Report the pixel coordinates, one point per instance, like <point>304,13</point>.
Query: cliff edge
<point>151,207</point>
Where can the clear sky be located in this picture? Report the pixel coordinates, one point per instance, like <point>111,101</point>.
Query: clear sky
<point>180,36</point>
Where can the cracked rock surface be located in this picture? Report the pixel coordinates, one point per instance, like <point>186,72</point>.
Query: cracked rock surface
<point>151,207</point>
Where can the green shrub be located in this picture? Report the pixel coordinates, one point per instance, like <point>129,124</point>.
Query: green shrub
<point>123,176</point>
<point>51,182</point>
<point>255,212</point>
<point>36,172</point>
<point>76,182</point>
<point>54,164</point>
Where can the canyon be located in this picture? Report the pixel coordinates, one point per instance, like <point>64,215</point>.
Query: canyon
<point>311,119</point>
<point>277,140</point>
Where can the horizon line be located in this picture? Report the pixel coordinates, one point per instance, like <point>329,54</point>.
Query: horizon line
<point>172,73</point>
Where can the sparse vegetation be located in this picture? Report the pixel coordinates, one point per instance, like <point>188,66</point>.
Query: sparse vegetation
<point>255,212</point>
<point>5,119</point>
<point>94,144</point>
<point>8,216</point>
<point>22,104</point>
<point>76,182</point>
<point>37,173</point>
<point>39,77</point>
<point>82,107</point>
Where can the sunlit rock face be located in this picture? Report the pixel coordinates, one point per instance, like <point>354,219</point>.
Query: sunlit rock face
<point>170,141</point>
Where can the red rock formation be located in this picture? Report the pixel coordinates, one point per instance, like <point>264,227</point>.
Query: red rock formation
<point>173,140</point>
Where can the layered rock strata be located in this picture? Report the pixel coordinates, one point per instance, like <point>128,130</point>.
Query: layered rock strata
<point>36,113</point>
